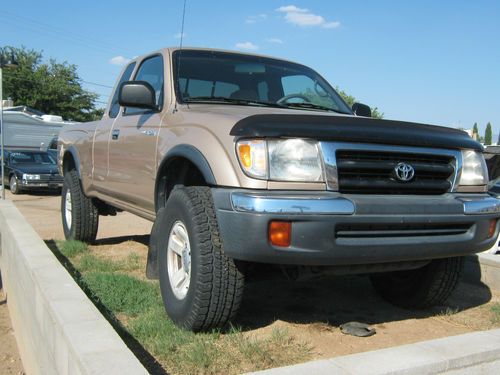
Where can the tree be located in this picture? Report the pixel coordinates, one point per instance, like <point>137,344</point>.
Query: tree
<point>498,140</point>
<point>475,132</point>
<point>349,99</point>
<point>51,87</point>
<point>488,134</point>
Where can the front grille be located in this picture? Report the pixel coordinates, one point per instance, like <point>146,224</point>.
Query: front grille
<point>51,178</point>
<point>400,230</point>
<point>372,172</point>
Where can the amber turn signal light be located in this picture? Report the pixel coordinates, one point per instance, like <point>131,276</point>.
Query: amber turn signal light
<point>280,233</point>
<point>493,228</point>
<point>245,155</point>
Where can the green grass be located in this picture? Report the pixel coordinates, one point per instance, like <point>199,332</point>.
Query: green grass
<point>72,248</point>
<point>495,309</point>
<point>137,305</point>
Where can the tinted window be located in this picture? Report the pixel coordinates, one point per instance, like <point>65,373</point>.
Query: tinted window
<point>115,107</point>
<point>197,87</point>
<point>151,71</point>
<point>235,79</point>
<point>304,87</point>
<point>31,157</point>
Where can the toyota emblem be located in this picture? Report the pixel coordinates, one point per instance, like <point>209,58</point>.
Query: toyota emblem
<point>404,172</point>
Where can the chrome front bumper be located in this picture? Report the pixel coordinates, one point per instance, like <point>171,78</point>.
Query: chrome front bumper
<point>337,205</point>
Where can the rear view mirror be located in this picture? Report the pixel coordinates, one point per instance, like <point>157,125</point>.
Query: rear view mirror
<point>137,94</point>
<point>361,110</point>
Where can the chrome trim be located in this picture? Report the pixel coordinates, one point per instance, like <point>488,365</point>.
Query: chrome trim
<point>481,206</point>
<point>328,152</point>
<point>291,204</point>
<point>329,157</point>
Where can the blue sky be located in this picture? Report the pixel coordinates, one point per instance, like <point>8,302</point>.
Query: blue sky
<point>426,61</point>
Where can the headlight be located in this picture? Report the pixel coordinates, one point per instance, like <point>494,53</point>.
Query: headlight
<point>30,177</point>
<point>294,160</point>
<point>474,171</point>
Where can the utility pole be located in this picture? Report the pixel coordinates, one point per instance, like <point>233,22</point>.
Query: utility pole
<point>4,63</point>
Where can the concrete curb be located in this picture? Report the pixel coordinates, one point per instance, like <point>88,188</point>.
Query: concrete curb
<point>58,329</point>
<point>483,268</point>
<point>471,353</point>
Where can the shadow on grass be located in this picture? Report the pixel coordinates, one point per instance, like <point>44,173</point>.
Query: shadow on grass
<point>335,300</point>
<point>143,239</point>
<point>147,360</point>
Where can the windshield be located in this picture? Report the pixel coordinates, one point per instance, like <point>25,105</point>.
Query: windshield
<point>209,76</point>
<point>31,157</point>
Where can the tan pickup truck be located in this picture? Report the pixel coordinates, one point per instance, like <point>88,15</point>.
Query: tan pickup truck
<point>242,159</point>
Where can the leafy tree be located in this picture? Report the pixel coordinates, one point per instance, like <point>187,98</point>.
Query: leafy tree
<point>488,134</point>
<point>51,87</point>
<point>349,99</point>
<point>498,140</point>
<point>475,131</point>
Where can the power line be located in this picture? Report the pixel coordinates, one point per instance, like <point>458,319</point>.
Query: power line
<point>37,26</point>
<point>14,76</point>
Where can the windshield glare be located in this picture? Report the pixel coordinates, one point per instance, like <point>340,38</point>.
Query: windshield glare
<point>208,76</point>
<point>31,158</point>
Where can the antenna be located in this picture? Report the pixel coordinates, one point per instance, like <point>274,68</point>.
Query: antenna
<point>180,48</point>
<point>182,26</point>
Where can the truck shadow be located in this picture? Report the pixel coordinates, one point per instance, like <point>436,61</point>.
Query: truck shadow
<point>335,300</point>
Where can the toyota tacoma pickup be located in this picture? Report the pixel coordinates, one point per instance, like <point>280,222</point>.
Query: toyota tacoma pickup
<point>241,159</point>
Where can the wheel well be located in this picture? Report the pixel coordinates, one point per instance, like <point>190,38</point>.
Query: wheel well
<point>176,171</point>
<point>68,162</point>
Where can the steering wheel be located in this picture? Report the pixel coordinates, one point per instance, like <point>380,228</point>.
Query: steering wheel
<point>292,96</point>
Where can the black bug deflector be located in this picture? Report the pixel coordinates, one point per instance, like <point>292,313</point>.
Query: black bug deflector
<point>353,129</point>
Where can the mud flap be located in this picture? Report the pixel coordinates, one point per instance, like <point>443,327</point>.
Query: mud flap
<point>152,271</point>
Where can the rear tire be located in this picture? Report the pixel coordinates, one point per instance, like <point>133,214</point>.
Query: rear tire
<point>186,235</point>
<point>14,185</point>
<point>80,216</point>
<point>424,287</point>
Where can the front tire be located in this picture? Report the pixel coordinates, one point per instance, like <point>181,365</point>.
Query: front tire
<point>201,287</point>
<point>14,186</point>
<point>421,288</point>
<point>80,216</point>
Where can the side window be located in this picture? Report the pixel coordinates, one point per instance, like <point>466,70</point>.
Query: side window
<point>114,108</point>
<point>151,71</point>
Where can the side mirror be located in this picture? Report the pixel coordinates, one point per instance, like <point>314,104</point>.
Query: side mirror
<point>361,110</point>
<point>137,94</point>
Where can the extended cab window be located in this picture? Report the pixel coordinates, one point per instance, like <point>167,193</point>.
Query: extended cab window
<point>151,71</point>
<point>114,108</point>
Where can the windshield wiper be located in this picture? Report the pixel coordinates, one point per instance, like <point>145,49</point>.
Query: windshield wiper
<point>224,99</point>
<point>312,106</point>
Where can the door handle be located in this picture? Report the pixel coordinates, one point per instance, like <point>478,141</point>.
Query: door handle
<point>115,134</point>
<point>149,132</point>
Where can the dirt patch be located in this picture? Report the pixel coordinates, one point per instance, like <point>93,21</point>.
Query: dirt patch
<point>10,362</point>
<point>310,311</point>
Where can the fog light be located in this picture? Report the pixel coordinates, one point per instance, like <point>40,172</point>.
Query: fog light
<point>280,233</point>
<point>492,229</point>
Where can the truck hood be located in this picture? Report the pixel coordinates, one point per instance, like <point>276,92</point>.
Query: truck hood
<point>265,122</point>
<point>35,168</point>
<point>352,129</point>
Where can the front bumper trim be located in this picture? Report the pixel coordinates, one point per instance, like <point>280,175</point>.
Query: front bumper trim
<point>297,204</point>
<point>481,206</point>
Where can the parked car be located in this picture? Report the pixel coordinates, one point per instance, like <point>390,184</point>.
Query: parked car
<point>31,170</point>
<point>241,158</point>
